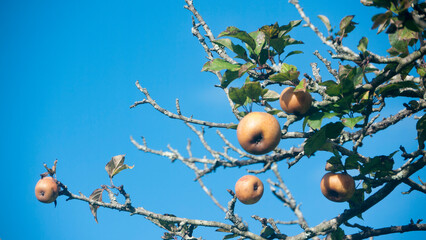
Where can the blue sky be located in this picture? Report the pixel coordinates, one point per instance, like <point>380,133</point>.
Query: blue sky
<point>67,74</point>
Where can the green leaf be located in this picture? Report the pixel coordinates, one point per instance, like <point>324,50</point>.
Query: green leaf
<point>260,40</point>
<point>422,71</point>
<point>288,68</point>
<point>421,131</point>
<point>332,88</point>
<point>346,25</point>
<point>278,44</point>
<point>397,43</point>
<point>318,141</point>
<point>293,53</point>
<point>392,90</point>
<point>274,112</point>
<point>356,200</point>
<point>350,77</point>
<point>237,95</point>
<point>363,43</point>
<point>314,121</point>
<point>238,49</point>
<point>380,165</point>
<point>116,165</point>
<point>351,162</point>
<point>287,76</point>
<point>270,95</point>
<point>339,234</point>
<point>301,86</point>
<point>229,236</point>
<point>228,77</point>
<point>326,22</point>
<point>267,232</point>
<point>253,90</point>
<point>218,64</point>
<point>336,164</point>
<point>351,122</point>
<point>287,28</point>
<point>239,34</point>
<point>245,68</point>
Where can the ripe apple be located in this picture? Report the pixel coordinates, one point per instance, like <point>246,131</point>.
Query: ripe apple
<point>47,190</point>
<point>295,102</point>
<point>337,187</point>
<point>259,133</point>
<point>249,189</point>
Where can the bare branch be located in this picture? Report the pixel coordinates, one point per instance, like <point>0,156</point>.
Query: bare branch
<point>388,230</point>
<point>173,115</point>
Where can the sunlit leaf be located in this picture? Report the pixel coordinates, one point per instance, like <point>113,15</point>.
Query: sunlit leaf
<point>238,49</point>
<point>237,95</point>
<point>326,22</point>
<point>270,95</point>
<point>363,43</point>
<point>351,122</point>
<point>218,64</point>
<point>239,34</point>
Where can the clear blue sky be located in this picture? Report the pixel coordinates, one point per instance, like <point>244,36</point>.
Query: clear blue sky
<point>67,74</point>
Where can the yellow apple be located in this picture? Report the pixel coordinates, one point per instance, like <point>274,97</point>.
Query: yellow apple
<point>47,190</point>
<point>295,102</point>
<point>337,187</point>
<point>259,133</point>
<point>249,189</point>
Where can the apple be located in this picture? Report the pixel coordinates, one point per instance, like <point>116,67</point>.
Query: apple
<point>259,133</point>
<point>47,190</point>
<point>337,187</point>
<point>249,189</point>
<point>297,102</point>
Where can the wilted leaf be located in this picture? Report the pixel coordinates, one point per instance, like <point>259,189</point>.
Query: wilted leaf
<point>245,68</point>
<point>270,95</point>
<point>116,165</point>
<point>326,22</point>
<point>96,196</point>
<point>381,20</point>
<point>270,31</point>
